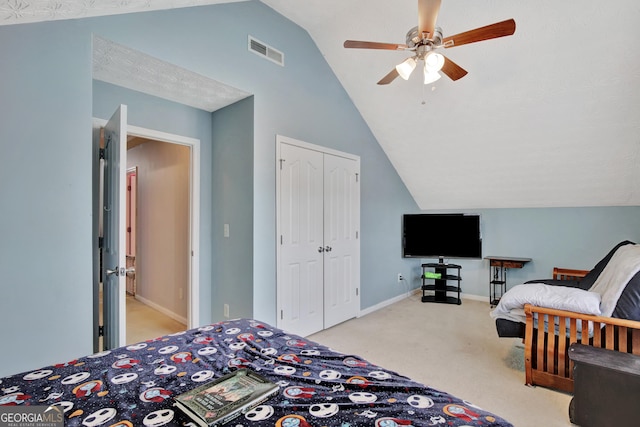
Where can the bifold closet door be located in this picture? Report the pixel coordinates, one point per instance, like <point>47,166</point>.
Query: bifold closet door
<point>319,249</point>
<point>300,279</point>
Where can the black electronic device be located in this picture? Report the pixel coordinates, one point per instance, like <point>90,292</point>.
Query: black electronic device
<point>441,236</point>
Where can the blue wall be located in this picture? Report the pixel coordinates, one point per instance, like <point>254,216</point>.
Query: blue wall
<point>551,237</point>
<point>232,191</point>
<point>45,188</point>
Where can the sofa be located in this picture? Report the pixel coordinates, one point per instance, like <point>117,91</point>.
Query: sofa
<point>628,306</point>
<point>548,332</point>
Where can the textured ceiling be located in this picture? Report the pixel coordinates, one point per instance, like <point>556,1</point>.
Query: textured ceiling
<point>126,67</point>
<point>547,117</point>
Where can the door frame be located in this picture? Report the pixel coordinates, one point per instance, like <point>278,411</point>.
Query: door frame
<point>281,139</point>
<point>193,287</point>
<point>132,217</point>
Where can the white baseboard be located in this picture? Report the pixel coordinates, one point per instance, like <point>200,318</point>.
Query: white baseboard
<point>387,302</point>
<point>407,295</point>
<point>162,310</point>
<point>475,297</point>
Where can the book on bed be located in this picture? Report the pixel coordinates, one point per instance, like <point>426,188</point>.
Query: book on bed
<point>220,401</point>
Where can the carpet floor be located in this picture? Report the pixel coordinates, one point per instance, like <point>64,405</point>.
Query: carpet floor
<point>452,348</point>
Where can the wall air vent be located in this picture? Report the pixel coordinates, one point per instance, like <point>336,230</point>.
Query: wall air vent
<point>266,51</point>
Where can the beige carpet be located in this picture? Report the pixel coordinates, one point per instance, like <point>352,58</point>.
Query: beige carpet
<point>144,322</point>
<point>454,349</point>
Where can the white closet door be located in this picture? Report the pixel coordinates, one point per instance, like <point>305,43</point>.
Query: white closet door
<point>341,240</point>
<point>300,275</point>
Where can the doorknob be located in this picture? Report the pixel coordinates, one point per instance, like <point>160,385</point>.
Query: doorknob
<point>121,271</point>
<point>328,248</point>
<point>115,271</point>
<point>320,249</point>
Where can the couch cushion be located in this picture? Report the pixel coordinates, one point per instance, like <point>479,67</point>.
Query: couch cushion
<point>628,306</point>
<point>588,280</point>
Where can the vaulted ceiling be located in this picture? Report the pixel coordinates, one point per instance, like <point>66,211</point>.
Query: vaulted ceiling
<point>547,117</point>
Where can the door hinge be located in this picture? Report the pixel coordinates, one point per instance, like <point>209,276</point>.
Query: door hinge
<point>100,331</point>
<point>357,291</point>
<point>357,177</point>
<point>357,234</point>
<point>101,242</point>
<point>281,240</point>
<point>101,153</point>
<point>281,314</point>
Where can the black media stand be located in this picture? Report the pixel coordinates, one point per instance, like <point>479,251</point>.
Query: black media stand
<point>438,283</point>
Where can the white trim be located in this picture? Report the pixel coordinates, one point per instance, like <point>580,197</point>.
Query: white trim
<point>152,134</point>
<point>193,309</point>
<point>388,302</point>
<point>162,310</point>
<point>475,297</point>
<point>309,146</point>
<point>417,292</point>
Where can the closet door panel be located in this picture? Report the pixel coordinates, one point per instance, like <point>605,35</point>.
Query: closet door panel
<point>300,279</point>
<point>341,239</point>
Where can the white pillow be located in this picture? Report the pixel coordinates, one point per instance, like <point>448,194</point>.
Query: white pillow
<point>557,297</point>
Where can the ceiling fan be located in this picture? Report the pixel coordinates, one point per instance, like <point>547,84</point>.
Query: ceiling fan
<point>426,38</point>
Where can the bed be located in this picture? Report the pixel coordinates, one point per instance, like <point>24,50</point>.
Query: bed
<point>134,385</point>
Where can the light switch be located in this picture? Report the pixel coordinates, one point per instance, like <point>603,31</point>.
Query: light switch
<point>226,230</point>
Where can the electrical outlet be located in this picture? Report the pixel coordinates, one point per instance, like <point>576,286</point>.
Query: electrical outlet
<point>226,311</point>
<point>400,278</point>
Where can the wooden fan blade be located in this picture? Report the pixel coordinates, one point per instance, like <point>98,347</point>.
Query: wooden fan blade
<point>427,15</point>
<point>356,44</point>
<point>389,77</point>
<point>453,70</point>
<point>499,29</point>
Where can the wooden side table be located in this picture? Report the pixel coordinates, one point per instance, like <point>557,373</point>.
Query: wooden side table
<point>498,266</point>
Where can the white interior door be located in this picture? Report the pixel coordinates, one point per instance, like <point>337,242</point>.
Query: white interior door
<point>341,240</point>
<point>114,233</point>
<point>300,276</point>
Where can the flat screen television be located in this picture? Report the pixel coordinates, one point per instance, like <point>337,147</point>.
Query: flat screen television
<point>441,236</point>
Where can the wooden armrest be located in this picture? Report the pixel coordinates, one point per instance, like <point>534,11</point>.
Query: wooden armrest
<point>568,273</point>
<point>530,309</point>
<point>546,360</point>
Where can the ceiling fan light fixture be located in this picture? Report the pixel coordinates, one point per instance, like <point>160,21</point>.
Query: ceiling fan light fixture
<point>406,68</point>
<point>433,62</point>
<point>431,76</point>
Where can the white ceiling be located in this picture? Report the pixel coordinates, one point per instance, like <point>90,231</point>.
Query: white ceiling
<point>547,117</point>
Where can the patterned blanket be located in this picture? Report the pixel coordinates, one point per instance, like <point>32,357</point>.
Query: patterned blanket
<point>135,385</point>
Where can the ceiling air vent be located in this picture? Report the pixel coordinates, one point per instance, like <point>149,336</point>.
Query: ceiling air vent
<point>259,48</point>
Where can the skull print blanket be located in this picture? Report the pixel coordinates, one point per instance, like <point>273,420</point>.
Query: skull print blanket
<point>135,385</point>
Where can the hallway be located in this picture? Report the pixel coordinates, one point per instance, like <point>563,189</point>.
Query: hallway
<point>145,323</point>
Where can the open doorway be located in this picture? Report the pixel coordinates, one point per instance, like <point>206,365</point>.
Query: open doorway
<point>157,233</point>
<point>162,236</point>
